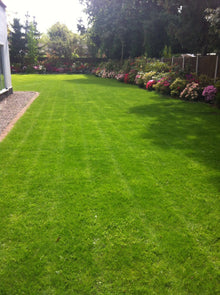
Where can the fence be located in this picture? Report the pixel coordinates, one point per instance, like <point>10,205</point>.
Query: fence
<point>208,65</point>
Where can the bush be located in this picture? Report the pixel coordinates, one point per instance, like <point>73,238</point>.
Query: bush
<point>157,67</point>
<point>209,93</point>
<point>150,84</point>
<point>177,87</point>
<point>126,78</point>
<point>217,97</point>
<point>120,77</point>
<point>204,80</point>
<point>163,86</point>
<point>139,79</point>
<point>191,91</point>
<point>148,76</point>
<point>131,76</point>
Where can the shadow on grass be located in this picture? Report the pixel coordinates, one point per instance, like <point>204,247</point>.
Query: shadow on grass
<point>192,128</point>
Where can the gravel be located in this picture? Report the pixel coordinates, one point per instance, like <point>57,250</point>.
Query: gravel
<point>13,106</point>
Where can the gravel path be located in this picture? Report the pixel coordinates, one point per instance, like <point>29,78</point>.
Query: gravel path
<point>12,108</point>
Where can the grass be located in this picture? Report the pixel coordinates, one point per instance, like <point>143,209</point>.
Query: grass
<point>109,189</point>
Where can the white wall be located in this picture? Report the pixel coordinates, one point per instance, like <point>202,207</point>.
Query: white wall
<point>5,50</point>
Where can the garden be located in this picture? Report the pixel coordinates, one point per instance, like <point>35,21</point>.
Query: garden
<point>169,80</point>
<point>110,181</point>
<point>107,188</point>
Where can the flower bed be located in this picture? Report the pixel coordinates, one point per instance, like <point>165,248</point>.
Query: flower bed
<point>165,79</point>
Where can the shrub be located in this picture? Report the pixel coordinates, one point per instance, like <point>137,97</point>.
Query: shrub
<point>111,75</point>
<point>177,87</point>
<point>131,76</point>
<point>104,74</point>
<point>162,86</point>
<point>209,93</point>
<point>126,78</point>
<point>204,80</point>
<point>139,79</point>
<point>217,98</point>
<point>158,76</point>
<point>157,66</point>
<point>120,77</point>
<point>148,76</point>
<point>191,91</point>
<point>150,84</point>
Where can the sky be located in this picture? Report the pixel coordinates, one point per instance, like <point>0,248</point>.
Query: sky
<point>46,12</point>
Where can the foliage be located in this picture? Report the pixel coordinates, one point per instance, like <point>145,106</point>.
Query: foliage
<point>162,86</point>
<point>139,79</point>
<point>153,28</point>
<point>32,47</point>
<point>132,74</point>
<point>209,93</point>
<point>204,80</point>
<point>177,87</point>
<point>62,42</point>
<point>17,42</point>
<point>167,52</point>
<point>150,84</point>
<point>120,77</point>
<point>126,78</point>
<point>148,76</point>
<point>191,91</point>
<point>217,98</point>
<point>157,66</point>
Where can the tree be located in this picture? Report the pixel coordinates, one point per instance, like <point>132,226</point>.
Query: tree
<point>188,23</point>
<point>127,28</point>
<point>213,18</point>
<point>63,43</point>
<point>17,42</point>
<point>32,46</point>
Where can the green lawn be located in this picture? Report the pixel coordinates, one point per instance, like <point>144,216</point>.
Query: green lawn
<point>109,189</point>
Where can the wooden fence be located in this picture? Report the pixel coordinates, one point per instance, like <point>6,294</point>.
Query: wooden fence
<point>208,65</point>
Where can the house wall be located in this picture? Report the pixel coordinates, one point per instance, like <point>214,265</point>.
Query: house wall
<point>5,50</point>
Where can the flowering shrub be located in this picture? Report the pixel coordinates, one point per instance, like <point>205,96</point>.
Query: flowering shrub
<point>126,78</point>
<point>139,79</point>
<point>209,93</point>
<point>191,91</point>
<point>131,76</point>
<point>148,76</point>
<point>150,84</point>
<point>104,74</point>
<point>177,86</point>
<point>120,77</point>
<point>192,78</point>
<point>157,66</point>
<point>111,75</point>
<point>162,86</point>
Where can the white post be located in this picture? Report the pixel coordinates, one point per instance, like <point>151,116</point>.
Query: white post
<point>216,68</point>
<point>197,64</point>
<point>183,66</point>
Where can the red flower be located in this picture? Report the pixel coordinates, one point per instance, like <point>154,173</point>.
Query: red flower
<point>126,78</point>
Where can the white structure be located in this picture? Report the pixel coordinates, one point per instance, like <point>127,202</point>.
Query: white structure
<point>5,72</point>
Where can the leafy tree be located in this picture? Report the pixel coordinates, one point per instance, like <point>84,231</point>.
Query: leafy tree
<point>188,23</point>
<point>213,18</point>
<point>32,46</point>
<point>63,43</point>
